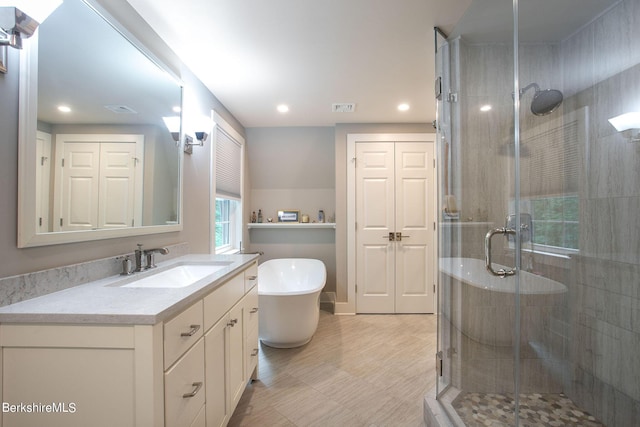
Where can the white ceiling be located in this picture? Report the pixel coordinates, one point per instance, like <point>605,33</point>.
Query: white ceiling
<point>256,54</point>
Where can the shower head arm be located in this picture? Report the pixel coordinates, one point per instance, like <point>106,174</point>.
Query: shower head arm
<point>529,86</point>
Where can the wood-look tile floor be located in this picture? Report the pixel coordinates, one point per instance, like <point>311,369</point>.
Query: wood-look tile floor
<point>363,370</point>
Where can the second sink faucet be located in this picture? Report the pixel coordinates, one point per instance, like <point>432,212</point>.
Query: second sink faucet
<point>149,254</point>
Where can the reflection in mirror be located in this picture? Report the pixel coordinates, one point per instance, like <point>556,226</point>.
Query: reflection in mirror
<point>104,164</point>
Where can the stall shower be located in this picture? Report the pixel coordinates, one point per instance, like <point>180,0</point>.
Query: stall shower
<point>545,187</point>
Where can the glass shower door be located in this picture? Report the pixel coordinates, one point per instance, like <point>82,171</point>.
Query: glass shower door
<point>479,311</point>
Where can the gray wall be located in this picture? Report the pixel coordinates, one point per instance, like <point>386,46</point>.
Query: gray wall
<point>198,101</point>
<point>293,168</point>
<point>601,68</point>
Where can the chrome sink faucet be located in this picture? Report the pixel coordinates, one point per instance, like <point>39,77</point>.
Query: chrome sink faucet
<point>149,254</point>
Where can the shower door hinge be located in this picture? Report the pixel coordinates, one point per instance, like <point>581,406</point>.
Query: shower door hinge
<point>439,363</point>
<point>452,97</point>
<point>62,162</point>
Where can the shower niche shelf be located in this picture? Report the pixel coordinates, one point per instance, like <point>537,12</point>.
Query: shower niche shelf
<point>292,225</point>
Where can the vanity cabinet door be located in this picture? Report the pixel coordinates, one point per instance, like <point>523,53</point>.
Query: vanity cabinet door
<point>236,350</point>
<point>216,349</point>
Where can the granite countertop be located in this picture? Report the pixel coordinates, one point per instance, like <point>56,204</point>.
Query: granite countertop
<point>105,301</point>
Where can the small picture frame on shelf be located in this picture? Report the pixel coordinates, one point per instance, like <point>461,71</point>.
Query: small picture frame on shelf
<point>288,215</point>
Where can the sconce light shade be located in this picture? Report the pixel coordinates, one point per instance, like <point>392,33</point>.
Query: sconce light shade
<point>628,124</point>
<point>17,25</point>
<point>173,125</point>
<point>37,9</point>
<point>202,137</point>
<point>626,121</point>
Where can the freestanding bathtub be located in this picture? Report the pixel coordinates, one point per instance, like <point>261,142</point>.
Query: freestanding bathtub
<point>289,298</point>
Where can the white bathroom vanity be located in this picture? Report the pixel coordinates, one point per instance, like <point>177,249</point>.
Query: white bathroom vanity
<point>111,352</point>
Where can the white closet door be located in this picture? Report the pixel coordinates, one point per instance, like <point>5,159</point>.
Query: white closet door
<point>395,193</point>
<point>43,181</point>
<point>375,265</point>
<point>117,185</point>
<point>414,175</point>
<point>80,172</point>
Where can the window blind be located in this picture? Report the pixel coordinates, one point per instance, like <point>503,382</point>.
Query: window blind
<point>228,165</point>
<point>553,165</point>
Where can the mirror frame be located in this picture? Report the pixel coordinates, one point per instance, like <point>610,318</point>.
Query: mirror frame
<point>27,127</point>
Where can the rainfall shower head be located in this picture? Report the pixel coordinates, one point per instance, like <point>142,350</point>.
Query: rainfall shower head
<point>544,101</point>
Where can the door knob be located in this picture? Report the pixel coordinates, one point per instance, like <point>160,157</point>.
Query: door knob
<point>391,237</point>
<point>399,237</point>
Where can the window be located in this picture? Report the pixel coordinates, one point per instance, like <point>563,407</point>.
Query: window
<point>227,220</point>
<point>228,189</point>
<point>555,221</point>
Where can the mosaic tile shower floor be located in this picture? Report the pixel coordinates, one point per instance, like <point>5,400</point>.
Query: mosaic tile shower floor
<point>496,410</point>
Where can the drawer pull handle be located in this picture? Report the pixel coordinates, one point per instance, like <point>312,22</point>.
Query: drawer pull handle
<point>252,278</point>
<point>232,322</point>
<point>254,352</point>
<point>192,331</point>
<point>254,310</point>
<point>197,386</point>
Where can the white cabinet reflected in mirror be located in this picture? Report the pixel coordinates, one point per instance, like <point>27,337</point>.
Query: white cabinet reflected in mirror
<point>106,165</point>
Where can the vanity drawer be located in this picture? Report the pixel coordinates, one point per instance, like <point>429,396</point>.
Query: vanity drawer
<point>182,332</point>
<point>218,302</point>
<point>251,277</point>
<point>251,309</point>
<point>184,388</point>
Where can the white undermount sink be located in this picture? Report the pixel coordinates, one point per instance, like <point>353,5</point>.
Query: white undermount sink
<point>180,276</point>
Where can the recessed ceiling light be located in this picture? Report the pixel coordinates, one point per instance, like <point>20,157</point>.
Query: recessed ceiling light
<point>485,108</point>
<point>64,109</point>
<point>403,107</point>
<point>282,108</point>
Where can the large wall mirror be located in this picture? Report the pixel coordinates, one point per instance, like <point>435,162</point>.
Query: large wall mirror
<point>99,125</point>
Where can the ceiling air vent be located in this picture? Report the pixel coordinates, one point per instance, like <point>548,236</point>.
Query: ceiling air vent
<point>343,107</point>
<point>120,109</point>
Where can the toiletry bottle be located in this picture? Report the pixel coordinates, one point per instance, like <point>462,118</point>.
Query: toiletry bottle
<point>260,215</point>
<point>320,215</point>
<point>253,217</point>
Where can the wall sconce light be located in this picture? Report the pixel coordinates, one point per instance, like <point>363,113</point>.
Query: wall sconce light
<point>173,125</point>
<point>201,137</point>
<point>15,24</point>
<point>628,124</point>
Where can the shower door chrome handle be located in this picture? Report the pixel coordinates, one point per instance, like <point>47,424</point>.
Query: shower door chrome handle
<point>502,273</point>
